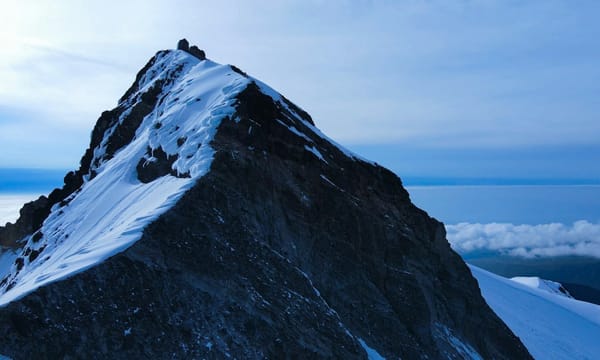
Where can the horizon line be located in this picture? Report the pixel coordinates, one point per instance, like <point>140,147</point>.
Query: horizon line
<point>54,177</point>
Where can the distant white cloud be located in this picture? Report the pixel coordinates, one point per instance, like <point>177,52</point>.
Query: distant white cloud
<point>544,240</point>
<point>10,206</point>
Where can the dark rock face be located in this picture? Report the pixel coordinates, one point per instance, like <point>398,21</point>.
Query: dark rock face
<point>31,217</point>
<point>157,163</point>
<point>238,70</point>
<point>194,50</point>
<point>275,253</point>
<point>183,44</point>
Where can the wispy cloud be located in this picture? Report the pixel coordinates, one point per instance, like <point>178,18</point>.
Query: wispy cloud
<point>441,74</point>
<point>545,240</point>
<point>72,56</point>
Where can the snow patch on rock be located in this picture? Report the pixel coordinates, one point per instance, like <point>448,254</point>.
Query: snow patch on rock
<point>372,354</point>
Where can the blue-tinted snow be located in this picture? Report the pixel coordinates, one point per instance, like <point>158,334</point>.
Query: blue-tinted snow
<point>535,282</point>
<point>549,325</point>
<point>315,152</point>
<point>372,354</point>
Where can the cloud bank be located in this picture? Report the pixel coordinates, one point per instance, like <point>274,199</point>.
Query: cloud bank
<point>10,206</point>
<point>545,240</point>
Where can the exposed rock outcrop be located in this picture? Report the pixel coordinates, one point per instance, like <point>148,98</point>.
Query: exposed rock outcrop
<point>194,50</point>
<point>183,44</point>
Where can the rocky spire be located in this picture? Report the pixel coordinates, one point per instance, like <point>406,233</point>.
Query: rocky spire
<point>184,45</point>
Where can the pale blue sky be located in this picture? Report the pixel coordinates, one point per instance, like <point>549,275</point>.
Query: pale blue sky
<point>433,88</point>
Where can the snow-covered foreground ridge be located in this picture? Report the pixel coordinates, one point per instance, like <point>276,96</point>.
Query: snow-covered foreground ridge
<point>550,325</point>
<point>109,212</point>
<point>549,286</point>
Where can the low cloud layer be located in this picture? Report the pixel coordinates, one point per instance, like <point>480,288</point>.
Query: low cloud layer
<point>544,240</point>
<point>10,206</point>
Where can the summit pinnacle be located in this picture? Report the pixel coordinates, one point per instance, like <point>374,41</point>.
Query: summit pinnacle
<point>184,45</point>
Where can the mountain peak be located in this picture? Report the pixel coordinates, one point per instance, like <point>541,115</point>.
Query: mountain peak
<point>211,218</point>
<point>144,155</point>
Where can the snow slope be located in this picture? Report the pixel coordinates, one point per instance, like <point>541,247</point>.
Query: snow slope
<point>542,284</point>
<point>110,211</point>
<point>551,326</point>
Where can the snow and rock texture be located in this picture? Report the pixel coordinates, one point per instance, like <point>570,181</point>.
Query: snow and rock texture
<point>110,210</point>
<point>551,325</point>
<point>210,218</point>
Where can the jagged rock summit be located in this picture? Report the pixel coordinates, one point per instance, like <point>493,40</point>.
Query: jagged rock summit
<point>210,218</point>
<point>184,45</point>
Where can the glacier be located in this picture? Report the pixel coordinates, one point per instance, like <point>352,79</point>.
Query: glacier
<point>551,326</point>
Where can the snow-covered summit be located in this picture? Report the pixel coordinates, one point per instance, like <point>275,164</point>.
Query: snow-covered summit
<point>144,156</point>
<point>214,220</point>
